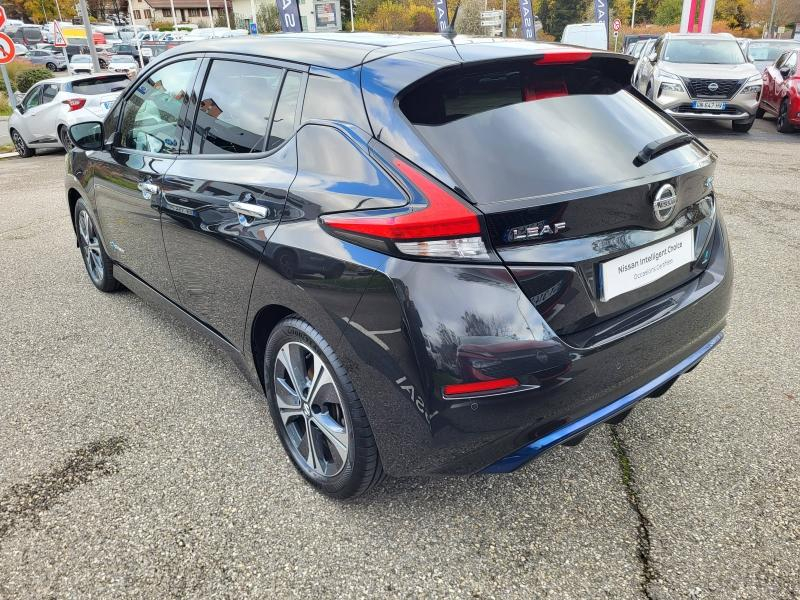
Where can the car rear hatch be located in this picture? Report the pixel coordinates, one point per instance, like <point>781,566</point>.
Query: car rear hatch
<point>596,201</point>
<point>99,93</point>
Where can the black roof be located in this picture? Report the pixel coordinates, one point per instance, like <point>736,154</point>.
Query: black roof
<point>339,50</point>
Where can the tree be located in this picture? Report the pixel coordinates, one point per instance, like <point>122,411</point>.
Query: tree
<point>565,12</point>
<point>668,12</point>
<point>42,11</point>
<point>267,18</point>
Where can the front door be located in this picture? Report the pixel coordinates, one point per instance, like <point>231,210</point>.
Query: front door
<point>224,200</point>
<point>130,176</point>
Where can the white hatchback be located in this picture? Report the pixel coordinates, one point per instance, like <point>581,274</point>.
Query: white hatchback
<point>52,106</point>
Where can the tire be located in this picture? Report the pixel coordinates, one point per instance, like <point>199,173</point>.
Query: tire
<point>739,127</point>
<point>332,415</point>
<point>51,66</point>
<point>759,113</point>
<point>782,124</point>
<point>20,146</point>
<point>98,265</point>
<point>63,136</point>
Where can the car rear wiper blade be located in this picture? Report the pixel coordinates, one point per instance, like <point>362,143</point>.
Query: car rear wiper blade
<point>661,146</point>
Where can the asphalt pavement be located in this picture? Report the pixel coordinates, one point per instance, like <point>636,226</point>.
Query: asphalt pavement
<point>136,461</point>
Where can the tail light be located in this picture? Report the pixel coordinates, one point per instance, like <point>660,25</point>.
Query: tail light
<point>75,103</point>
<point>562,57</point>
<point>478,387</point>
<point>437,224</point>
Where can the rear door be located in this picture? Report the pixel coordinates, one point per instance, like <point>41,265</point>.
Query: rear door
<point>223,201</point>
<point>129,176</point>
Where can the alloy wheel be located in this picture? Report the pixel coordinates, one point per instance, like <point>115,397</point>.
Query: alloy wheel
<point>65,141</point>
<point>19,144</point>
<point>90,246</point>
<point>311,410</point>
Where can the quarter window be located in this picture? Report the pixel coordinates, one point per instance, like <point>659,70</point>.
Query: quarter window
<point>235,108</point>
<point>151,114</point>
<point>285,113</point>
<point>48,93</point>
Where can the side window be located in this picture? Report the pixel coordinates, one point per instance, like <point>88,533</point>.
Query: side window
<point>781,59</point>
<point>791,62</point>
<point>49,92</point>
<point>150,115</point>
<point>283,123</point>
<point>658,46</point>
<point>33,99</point>
<point>235,107</point>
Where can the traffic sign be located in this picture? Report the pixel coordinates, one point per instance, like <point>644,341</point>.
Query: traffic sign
<point>7,50</point>
<point>617,25</point>
<point>2,17</point>
<point>59,41</point>
<point>253,29</point>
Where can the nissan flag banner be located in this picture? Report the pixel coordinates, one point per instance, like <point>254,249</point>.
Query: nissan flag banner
<point>601,13</point>
<point>289,15</point>
<point>526,14</point>
<point>440,8</point>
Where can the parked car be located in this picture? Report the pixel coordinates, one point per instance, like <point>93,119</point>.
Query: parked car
<point>781,95</point>
<point>81,63</point>
<point>635,49</point>
<point>27,35</point>
<point>20,49</point>
<point>764,53</point>
<point>51,60</point>
<point>589,35</point>
<point>123,63</point>
<point>48,109</point>
<point>702,76</point>
<point>630,39</point>
<point>642,59</point>
<point>488,280</point>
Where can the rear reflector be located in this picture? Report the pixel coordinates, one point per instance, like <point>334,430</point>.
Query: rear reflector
<point>441,216</point>
<point>75,103</point>
<point>563,57</point>
<point>480,386</point>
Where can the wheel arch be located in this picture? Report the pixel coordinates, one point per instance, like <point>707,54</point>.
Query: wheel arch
<point>265,320</point>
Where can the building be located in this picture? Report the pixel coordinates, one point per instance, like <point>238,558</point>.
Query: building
<point>186,11</point>
<point>315,15</point>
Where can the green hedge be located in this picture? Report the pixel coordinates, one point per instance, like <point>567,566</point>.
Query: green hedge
<point>25,79</point>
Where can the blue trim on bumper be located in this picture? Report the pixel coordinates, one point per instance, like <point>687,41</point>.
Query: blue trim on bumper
<point>514,461</point>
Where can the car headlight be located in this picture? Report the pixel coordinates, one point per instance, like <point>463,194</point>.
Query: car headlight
<point>752,85</point>
<point>671,86</point>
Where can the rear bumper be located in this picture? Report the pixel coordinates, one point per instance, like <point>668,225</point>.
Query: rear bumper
<point>421,326</point>
<point>577,428</point>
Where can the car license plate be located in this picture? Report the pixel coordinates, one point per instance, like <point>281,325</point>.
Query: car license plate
<point>709,104</point>
<point>640,267</point>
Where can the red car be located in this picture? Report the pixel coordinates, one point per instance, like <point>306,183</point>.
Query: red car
<point>781,93</point>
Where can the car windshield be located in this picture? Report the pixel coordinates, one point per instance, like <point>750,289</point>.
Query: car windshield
<point>81,58</point>
<point>769,50</point>
<point>710,52</point>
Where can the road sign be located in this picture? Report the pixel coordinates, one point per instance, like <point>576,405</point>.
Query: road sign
<point>2,17</point>
<point>253,29</point>
<point>491,18</point>
<point>7,50</point>
<point>617,25</point>
<point>59,41</point>
<point>616,34</point>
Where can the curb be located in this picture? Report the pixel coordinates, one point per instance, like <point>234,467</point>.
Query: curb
<point>8,155</point>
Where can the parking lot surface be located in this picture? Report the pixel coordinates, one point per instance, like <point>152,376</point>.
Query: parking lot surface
<point>136,461</point>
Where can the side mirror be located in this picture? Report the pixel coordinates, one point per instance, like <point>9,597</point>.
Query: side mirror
<point>784,71</point>
<point>652,57</point>
<point>87,136</point>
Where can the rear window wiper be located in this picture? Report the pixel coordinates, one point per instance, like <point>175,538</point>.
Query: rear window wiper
<point>661,146</point>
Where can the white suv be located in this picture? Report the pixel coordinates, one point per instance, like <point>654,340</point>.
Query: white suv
<point>52,106</point>
<point>701,76</point>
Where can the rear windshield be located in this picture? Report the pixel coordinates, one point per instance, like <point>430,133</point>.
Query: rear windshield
<point>517,130</point>
<point>104,85</point>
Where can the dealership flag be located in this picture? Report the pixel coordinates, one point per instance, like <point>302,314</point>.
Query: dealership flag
<point>601,13</point>
<point>440,8</point>
<point>526,14</point>
<point>289,15</point>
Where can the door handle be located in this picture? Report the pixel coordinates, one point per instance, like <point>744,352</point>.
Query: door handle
<point>248,210</point>
<point>148,189</point>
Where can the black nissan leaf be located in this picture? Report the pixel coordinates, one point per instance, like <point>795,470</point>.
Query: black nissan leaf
<point>432,255</point>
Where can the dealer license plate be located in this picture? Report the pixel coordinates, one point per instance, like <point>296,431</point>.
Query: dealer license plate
<point>708,104</point>
<point>641,267</point>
